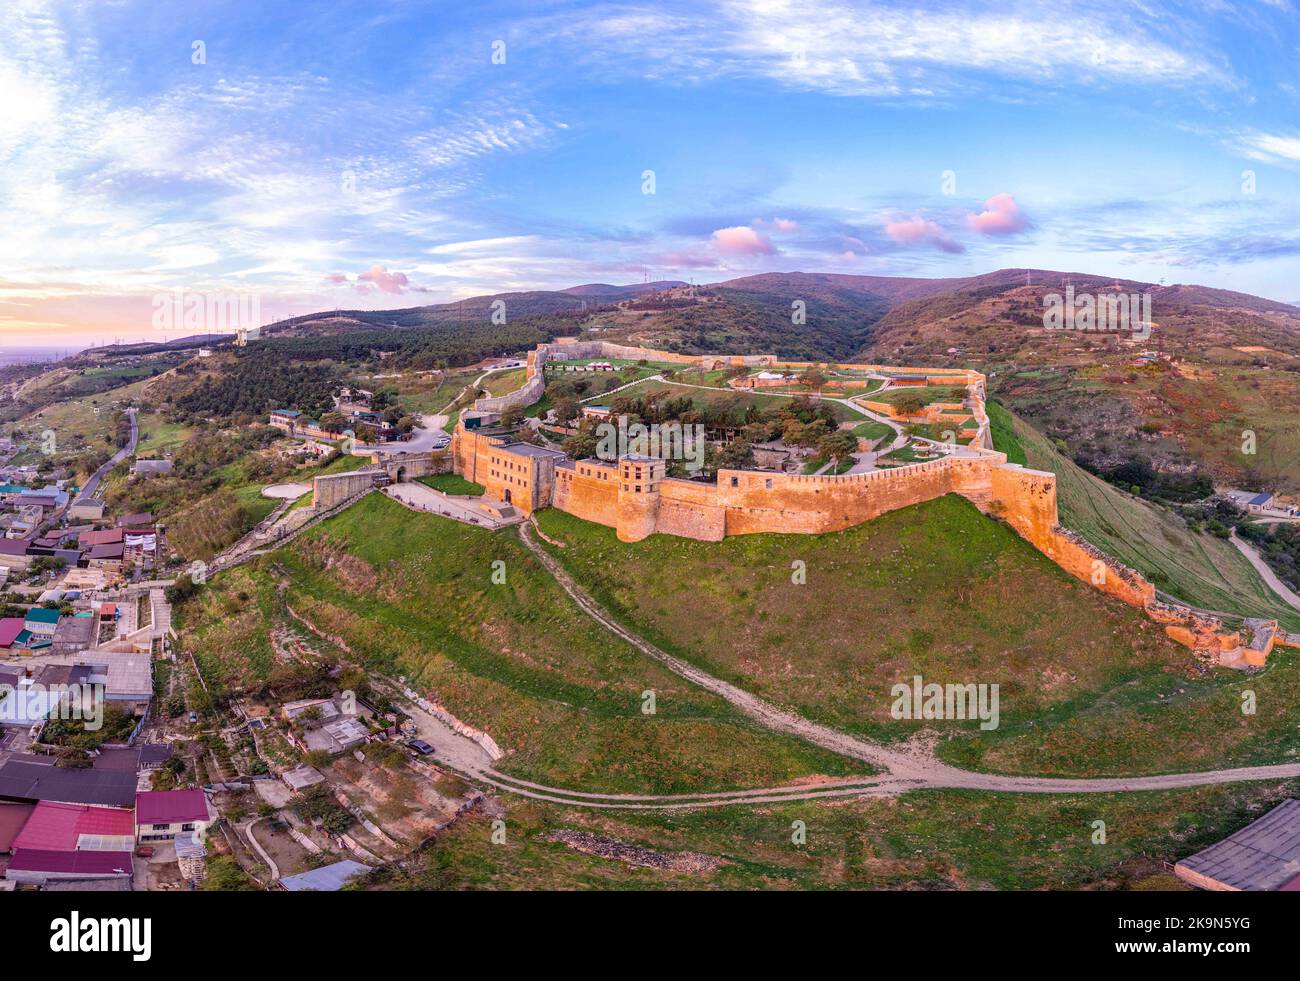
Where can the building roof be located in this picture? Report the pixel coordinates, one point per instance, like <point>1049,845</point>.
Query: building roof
<point>71,863</point>
<point>1260,499</point>
<point>1262,856</point>
<point>328,878</point>
<point>10,628</point>
<point>75,633</point>
<point>170,806</point>
<point>303,776</point>
<point>132,520</point>
<point>12,818</point>
<point>114,551</point>
<point>528,449</point>
<point>124,674</point>
<point>287,413</point>
<point>24,781</point>
<point>153,466</point>
<point>71,827</point>
<point>13,546</point>
<point>40,614</point>
<point>154,753</point>
<point>109,536</point>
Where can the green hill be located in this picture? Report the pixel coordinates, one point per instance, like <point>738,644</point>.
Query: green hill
<point>1198,568</point>
<point>412,594</point>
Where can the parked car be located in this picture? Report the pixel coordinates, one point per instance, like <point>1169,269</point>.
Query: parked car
<point>420,746</point>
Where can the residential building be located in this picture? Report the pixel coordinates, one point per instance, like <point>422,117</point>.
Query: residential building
<point>151,468</point>
<point>327,878</point>
<point>42,623</point>
<point>161,815</point>
<point>1264,856</point>
<point>72,841</point>
<point>13,554</point>
<point>29,779</point>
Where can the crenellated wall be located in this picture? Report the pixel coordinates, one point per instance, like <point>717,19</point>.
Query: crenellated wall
<point>744,502</point>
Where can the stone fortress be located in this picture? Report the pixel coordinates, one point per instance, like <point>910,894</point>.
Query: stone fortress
<point>633,496</point>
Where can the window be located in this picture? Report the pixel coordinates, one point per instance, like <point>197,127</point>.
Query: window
<point>638,488</point>
<point>735,481</point>
<point>188,826</point>
<point>768,483</point>
<point>160,827</point>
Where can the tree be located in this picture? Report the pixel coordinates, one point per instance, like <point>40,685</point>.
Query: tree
<point>566,409</point>
<point>333,422</point>
<point>910,404</point>
<point>736,455</point>
<point>837,445</point>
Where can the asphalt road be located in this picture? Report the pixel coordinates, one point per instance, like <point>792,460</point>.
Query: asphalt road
<point>92,484</point>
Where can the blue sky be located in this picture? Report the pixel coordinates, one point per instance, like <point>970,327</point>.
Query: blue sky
<point>393,154</point>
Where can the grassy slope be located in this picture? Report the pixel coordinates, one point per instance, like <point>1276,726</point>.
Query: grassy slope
<point>928,840</point>
<point>412,593</point>
<point>705,396</point>
<point>1088,686</point>
<point>1201,569</point>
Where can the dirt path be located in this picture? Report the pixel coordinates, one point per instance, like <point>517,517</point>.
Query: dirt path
<point>911,768</point>
<point>1267,574</point>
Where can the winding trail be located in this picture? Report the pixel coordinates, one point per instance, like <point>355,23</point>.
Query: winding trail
<point>905,769</point>
<point>1268,575</point>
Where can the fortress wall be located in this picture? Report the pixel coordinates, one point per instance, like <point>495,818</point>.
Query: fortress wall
<point>587,497</point>
<point>531,391</point>
<point>703,522</point>
<point>812,505</point>
<point>690,509</point>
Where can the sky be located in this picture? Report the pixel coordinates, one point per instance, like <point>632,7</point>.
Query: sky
<point>299,157</point>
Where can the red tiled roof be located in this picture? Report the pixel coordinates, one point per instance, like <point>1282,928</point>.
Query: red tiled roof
<point>79,863</point>
<point>10,628</point>
<point>170,806</point>
<point>57,827</point>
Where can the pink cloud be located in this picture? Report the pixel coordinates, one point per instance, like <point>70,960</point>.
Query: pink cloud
<point>920,231</point>
<point>1002,216</point>
<point>682,260</point>
<point>785,225</point>
<point>336,278</point>
<point>742,240</point>
<point>384,280</point>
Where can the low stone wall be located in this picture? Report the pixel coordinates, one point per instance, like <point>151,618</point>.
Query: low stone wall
<point>336,488</point>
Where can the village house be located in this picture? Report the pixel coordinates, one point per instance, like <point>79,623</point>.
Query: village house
<point>161,815</point>
<point>61,841</point>
<point>151,468</point>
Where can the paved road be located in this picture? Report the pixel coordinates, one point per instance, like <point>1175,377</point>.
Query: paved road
<point>1266,573</point>
<point>93,483</point>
